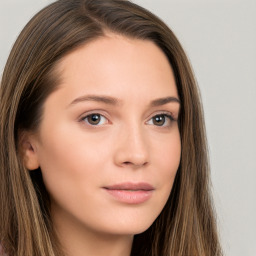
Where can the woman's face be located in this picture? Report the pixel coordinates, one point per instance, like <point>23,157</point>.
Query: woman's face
<point>109,144</point>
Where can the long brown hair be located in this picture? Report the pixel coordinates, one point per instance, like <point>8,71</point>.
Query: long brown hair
<point>187,225</point>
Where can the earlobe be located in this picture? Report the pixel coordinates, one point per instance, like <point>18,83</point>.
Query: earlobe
<point>28,152</point>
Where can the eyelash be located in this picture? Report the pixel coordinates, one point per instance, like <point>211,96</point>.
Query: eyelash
<point>166,115</point>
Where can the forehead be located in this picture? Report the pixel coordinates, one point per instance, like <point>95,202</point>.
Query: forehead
<point>115,64</point>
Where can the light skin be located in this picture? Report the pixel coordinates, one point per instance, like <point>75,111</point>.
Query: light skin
<point>112,120</point>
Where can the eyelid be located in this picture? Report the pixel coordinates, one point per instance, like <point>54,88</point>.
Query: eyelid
<point>166,113</point>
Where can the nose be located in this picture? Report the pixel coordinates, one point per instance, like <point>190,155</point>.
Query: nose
<point>131,148</point>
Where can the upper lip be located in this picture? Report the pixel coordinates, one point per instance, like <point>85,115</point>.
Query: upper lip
<point>131,186</point>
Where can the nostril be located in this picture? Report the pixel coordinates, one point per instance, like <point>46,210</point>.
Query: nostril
<point>135,164</point>
<point>127,163</point>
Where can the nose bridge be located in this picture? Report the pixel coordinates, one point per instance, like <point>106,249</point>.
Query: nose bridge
<point>132,145</point>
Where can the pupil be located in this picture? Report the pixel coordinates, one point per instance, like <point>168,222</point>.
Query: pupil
<point>159,120</point>
<point>94,119</point>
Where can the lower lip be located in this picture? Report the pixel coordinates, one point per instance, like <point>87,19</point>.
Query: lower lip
<point>131,197</point>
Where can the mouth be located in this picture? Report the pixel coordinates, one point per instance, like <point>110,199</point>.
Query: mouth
<point>130,193</point>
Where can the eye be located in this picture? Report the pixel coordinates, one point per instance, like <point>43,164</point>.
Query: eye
<point>95,119</point>
<point>161,120</point>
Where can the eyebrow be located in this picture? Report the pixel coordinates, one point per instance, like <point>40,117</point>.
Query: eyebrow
<point>115,102</point>
<point>163,101</point>
<point>97,98</point>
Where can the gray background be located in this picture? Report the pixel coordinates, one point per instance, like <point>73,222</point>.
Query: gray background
<point>219,37</point>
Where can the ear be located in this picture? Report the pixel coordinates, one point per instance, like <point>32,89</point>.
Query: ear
<point>28,150</point>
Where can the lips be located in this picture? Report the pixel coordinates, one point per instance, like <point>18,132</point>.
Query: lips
<point>131,186</point>
<point>130,193</point>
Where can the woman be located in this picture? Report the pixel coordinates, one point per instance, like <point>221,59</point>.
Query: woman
<point>103,148</point>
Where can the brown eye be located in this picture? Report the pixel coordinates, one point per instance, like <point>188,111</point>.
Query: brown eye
<point>95,119</point>
<point>159,120</point>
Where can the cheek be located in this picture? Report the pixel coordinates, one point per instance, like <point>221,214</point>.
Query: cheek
<point>71,159</point>
<point>68,165</point>
<point>168,153</point>
<point>65,150</point>
<point>167,158</point>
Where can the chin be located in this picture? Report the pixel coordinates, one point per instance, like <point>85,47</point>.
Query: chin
<point>130,226</point>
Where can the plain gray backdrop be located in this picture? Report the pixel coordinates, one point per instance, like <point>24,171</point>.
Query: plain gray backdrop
<point>219,37</point>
